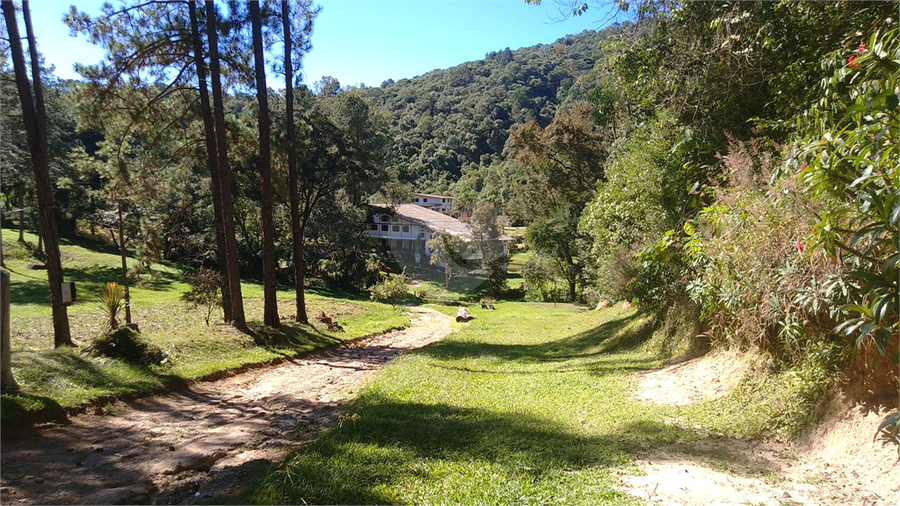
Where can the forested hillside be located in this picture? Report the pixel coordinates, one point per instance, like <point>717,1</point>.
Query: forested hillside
<point>448,120</point>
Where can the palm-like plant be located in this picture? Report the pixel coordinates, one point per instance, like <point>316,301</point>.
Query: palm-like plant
<point>112,301</point>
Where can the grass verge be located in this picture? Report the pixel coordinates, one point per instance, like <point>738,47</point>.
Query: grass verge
<point>55,382</point>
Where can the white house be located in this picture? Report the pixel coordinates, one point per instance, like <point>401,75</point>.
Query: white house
<point>439,203</point>
<point>405,229</point>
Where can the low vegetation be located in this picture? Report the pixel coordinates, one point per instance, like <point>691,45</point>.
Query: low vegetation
<point>52,381</point>
<point>742,186</point>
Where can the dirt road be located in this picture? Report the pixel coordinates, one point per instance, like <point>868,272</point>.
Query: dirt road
<point>201,442</point>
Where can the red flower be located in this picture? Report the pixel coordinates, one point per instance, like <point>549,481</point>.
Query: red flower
<point>799,246</point>
<point>851,60</point>
<point>862,47</point>
<point>802,167</point>
<point>814,230</point>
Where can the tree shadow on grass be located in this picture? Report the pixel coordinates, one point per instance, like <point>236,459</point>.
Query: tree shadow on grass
<point>31,291</point>
<point>82,370</point>
<point>67,366</point>
<point>88,280</point>
<point>386,449</point>
<point>289,336</point>
<point>97,275</point>
<point>582,350</point>
<point>18,409</point>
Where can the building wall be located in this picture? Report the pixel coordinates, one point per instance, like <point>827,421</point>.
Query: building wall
<point>439,204</point>
<point>400,234</point>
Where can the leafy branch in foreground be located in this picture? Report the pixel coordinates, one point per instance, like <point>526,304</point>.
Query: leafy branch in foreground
<point>848,162</point>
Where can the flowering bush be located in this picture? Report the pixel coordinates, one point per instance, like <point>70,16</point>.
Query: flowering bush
<point>848,159</point>
<point>753,276</point>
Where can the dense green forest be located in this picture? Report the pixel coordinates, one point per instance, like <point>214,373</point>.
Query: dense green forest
<point>732,161</point>
<point>449,121</point>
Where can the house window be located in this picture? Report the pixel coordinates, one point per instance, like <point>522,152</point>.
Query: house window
<point>424,200</point>
<point>384,228</point>
<point>373,227</point>
<point>395,219</point>
<point>416,199</point>
<point>385,218</point>
<point>395,228</point>
<point>405,229</point>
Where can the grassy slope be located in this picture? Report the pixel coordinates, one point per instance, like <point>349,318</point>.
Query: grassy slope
<point>528,404</point>
<point>68,378</point>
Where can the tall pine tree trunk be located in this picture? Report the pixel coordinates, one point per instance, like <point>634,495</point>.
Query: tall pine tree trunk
<point>211,160</point>
<point>35,117</point>
<point>234,276</point>
<point>270,312</point>
<point>293,181</point>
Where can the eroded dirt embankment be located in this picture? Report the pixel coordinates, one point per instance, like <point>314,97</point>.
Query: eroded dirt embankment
<point>202,441</point>
<point>839,462</point>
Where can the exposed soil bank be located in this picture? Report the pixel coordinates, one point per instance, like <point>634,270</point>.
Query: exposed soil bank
<point>838,462</point>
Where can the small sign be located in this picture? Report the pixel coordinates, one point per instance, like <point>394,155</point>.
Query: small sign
<point>68,293</point>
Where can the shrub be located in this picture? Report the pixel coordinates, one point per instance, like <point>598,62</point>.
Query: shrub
<point>205,290</point>
<point>847,163</point>
<point>496,272</point>
<point>128,345</point>
<point>540,273</point>
<point>391,288</point>
<point>111,303</point>
<point>753,276</point>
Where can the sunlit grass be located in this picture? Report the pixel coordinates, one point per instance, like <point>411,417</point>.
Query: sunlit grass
<point>70,378</point>
<point>523,405</point>
<point>514,276</point>
<point>528,404</point>
<point>433,286</point>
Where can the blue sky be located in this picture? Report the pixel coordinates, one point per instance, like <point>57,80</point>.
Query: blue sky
<point>369,41</point>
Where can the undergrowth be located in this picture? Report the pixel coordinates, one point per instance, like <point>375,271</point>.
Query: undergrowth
<point>777,398</point>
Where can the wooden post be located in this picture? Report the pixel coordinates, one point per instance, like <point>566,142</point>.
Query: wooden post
<point>7,381</point>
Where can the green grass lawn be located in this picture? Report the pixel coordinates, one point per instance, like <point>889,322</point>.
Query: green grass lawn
<point>514,269</point>
<point>528,404</point>
<point>460,286</point>
<point>68,378</point>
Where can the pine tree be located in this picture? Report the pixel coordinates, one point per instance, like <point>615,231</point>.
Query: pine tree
<point>35,117</point>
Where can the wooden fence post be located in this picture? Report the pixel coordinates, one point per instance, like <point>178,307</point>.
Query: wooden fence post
<point>7,381</point>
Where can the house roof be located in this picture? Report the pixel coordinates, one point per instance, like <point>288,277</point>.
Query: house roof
<point>433,220</point>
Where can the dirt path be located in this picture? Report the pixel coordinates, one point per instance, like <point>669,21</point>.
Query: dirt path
<point>838,462</point>
<point>203,441</point>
